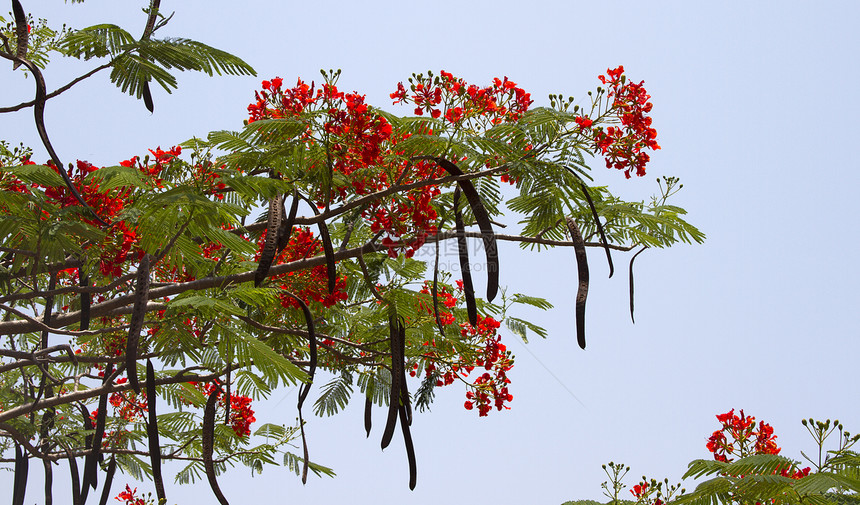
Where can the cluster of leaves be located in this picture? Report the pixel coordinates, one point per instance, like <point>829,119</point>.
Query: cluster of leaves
<point>760,476</point>
<point>157,265</point>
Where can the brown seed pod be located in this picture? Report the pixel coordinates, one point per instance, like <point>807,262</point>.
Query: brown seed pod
<point>147,97</point>
<point>49,482</point>
<point>111,469</point>
<point>22,464</point>
<point>465,269</point>
<point>22,32</point>
<point>152,431</point>
<point>484,223</point>
<point>270,247</point>
<point>630,279</point>
<point>329,256</point>
<point>208,444</point>
<point>286,229</point>
<point>141,297</point>
<point>92,459</point>
<point>368,418</point>
<point>88,444</point>
<point>305,388</point>
<point>396,377</point>
<point>73,471</point>
<point>582,270</point>
<point>86,300</point>
<point>599,228</point>
<point>410,449</point>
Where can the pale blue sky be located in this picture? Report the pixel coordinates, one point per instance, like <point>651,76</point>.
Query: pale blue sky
<point>756,106</point>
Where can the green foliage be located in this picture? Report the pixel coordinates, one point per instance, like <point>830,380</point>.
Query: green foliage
<point>178,248</point>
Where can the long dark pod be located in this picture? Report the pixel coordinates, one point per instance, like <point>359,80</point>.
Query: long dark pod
<point>73,471</point>
<point>111,470</point>
<point>630,279</point>
<point>22,33</point>
<point>92,459</point>
<point>152,431</point>
<point>147,97</point>
<point>49,482</point>
<point>396,376</point>
<point>368,414</point>
<point>270,247</point>
<point>147,32</point>
<point>599,228</point>
<point>484,223</point>
<point>39,117</point>
<point>88,444</point>
<point>582,270</point>
<point>305,388</point>
<point>49,307</point>
<point>86,299</point>
<point>405,399</point>
<point>22,464</point>
<point>328,248</point>
<point>465,268</point>
<point>141,296</point>
<point>286,229</point>
<point>410,449</point>
<point>208,444</point>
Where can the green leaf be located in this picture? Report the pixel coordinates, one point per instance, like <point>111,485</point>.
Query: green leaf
<point>335,395</point>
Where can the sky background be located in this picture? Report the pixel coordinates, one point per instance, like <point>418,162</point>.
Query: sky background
<point>756,105</point>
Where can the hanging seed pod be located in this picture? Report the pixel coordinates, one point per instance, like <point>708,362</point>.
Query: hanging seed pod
<point>270,247</point>
<point>152,431</point>
<point>147,97</point>
<point>484,223</point>
<point>329,256</point>
<point>630,280</point>
<point>141,297</point>
<point>22,464</point>
<point>73,471</point>
<point>92,459</point>
<point>305,388</point>
<point>582,269</point>
<point>286,229</point>
<point>49,482</point>
<point>111,469</point>
<point>208,444</point>
<point>599,228</point>
<point>368,418</point>
<point>396,377</point>
<point>410,449</point>
<point>39,118</point>
<point>86,300</point>
<point>88,444</point>
<point>405,399</point>
<point>22,32</point>
<point>465,269</point>
<point>49,307</point>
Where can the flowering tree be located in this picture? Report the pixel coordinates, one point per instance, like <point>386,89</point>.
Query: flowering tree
<point>760,476</point>
<point>144,305</point>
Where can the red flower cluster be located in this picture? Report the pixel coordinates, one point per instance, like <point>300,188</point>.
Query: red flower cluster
<point>311,285</point>
<point>745,440</point>
<point>489,389</point>
<point>129,496</point>
<point>128,405</point>
<point>623,146</point>
<point>241,415</point>
<point>456,101</point>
